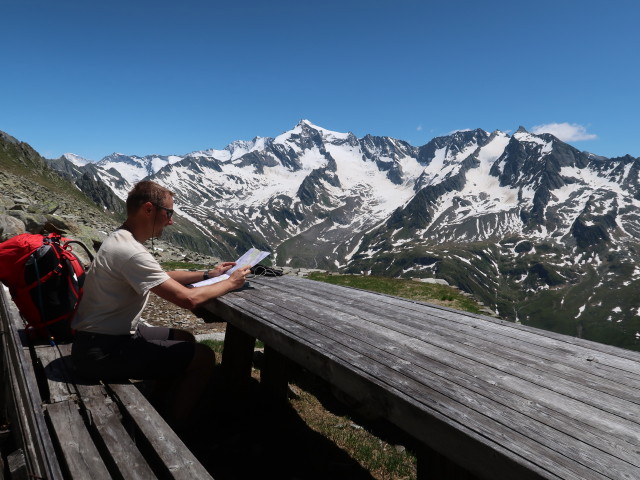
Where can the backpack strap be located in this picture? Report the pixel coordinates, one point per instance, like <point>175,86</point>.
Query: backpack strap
<point>86,249</point>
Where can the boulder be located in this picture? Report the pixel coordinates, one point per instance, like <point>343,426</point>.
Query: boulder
<point>33,222</point>
<point>55,223</point>
<point>10,227</point>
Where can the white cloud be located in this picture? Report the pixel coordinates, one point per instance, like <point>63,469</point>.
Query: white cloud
<point>419,128</point>
<point>567,132</point>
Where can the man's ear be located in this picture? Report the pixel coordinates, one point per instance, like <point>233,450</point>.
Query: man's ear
<point>147,207</point>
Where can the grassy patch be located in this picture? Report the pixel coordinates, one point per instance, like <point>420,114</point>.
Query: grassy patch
<point>382,459</point>
<point>399,287</point>
<point>218,345</point>
<point>215,345</point>
<point>176,265</point>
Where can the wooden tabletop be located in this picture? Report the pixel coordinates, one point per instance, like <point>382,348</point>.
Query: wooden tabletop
<point>500,399</point>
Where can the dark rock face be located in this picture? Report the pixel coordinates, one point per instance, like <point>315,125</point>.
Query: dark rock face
<point>88,179</point>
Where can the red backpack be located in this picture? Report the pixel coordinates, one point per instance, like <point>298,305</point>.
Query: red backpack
<point>45,279</point>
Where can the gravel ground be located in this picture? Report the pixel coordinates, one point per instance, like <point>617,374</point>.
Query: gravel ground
<point>161,313</point>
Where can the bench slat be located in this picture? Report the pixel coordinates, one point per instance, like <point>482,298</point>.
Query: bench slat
<point>181,463</point>
<point>103,411</point>
<point>56,370</point>
<point>122,449</point>
<point>81,455</point>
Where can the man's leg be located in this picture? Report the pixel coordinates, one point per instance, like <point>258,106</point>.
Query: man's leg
<point>193,384</point>
<point>187,389</point>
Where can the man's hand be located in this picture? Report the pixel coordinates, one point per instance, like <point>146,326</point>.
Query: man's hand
<point>220,269</point>
<point>190,298</point>
<point>239,277</point>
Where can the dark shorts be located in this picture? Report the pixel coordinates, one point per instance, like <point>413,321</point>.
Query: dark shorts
<point>148,354</point>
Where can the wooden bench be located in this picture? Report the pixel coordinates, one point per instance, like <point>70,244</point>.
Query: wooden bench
<point>67,428</point>
<point>486,398</point>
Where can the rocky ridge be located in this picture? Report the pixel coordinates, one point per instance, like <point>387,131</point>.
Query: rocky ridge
<point>36,199</point>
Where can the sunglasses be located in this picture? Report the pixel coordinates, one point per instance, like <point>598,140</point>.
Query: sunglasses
<point>168,210</point>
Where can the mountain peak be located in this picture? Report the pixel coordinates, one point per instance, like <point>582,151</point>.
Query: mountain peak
<point>305,128</point>
<point>521,129</point>
<point>76,159</point>
<point>306,122</point>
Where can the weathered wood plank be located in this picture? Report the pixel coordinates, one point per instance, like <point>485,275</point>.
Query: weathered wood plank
<point>178,459</point>
<point>122,449</point>
<point>105,418</point>
<point>469,347</point>
<point>555,341</point>
<point>478,349</point>
<point>494,329</point>
<point>57,372</point>
<point>388,323</point>
<point>17,466</point>
<point>80,453</point>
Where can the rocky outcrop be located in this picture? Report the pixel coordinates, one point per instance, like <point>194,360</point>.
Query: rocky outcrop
<point>36,199</point>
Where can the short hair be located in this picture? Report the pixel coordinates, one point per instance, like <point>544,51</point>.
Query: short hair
<point>146,191</point>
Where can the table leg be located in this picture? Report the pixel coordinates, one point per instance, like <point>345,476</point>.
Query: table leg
<point>274,376</point>
<point>237,358</point>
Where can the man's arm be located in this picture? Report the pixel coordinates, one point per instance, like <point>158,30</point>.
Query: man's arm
<point>190,298</point>
<point>185,277</point>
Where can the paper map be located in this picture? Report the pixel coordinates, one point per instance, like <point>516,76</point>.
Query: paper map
<point>251,257</point>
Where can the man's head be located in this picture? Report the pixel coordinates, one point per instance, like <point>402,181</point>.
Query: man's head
<point>150,204</point>
<point>147,191</point>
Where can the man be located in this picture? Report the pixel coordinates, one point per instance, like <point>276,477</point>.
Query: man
<point>116,290</point>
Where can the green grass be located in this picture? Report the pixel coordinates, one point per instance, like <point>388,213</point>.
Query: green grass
<point>218,345</point>
<point>176,265</point>
<point>371,446</point>
<point>399,287</point>
<point>215,345</point>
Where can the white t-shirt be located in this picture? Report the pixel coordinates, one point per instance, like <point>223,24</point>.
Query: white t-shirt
<point>117,286</point>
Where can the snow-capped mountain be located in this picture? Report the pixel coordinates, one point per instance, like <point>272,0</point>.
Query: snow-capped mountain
<point>76,159</point>
<point>134,168</point>
<point>512,218</point>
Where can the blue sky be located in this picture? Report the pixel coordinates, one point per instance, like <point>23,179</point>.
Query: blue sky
<point>170,77</point>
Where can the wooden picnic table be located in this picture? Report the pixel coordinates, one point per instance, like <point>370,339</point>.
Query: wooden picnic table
<point>493,398</point>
